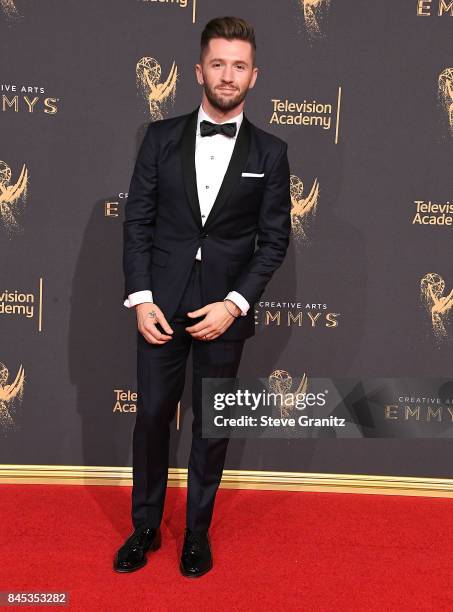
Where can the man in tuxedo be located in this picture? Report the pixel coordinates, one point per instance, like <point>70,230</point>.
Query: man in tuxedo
<point>207,223</point>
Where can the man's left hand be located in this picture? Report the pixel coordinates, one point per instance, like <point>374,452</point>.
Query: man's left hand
<point>216,321</point>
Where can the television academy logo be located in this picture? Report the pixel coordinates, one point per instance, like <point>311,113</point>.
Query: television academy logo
<point>427,212</point>
<point>315,12</point>
<point>12,196</point>
<point>20,304</point>
<point>157,95</point>
<point>125,401</point>
<point>179,3</point>
<point>307,113</point>
<point>438,305</point>
<point>303,208</point>
<point>10,395</point>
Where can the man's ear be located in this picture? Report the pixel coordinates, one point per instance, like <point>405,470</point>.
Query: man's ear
<point>254,77</point>
<point>199,74</point>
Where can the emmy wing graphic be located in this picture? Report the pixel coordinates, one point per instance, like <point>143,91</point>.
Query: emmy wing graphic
<point>432,288</point>
<point>281,382</point>
<point>158,95</point>
<point>446,93</point>
<point>11,195</point>
<point>9,393</point>
<point>314,13</point>
<point>302,207</point>
<point>9,9</point>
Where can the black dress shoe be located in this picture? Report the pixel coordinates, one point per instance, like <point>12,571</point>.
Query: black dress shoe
<point>196,558</point>
<point>132,555</point>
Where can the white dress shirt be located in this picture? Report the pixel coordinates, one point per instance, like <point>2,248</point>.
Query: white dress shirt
<point>212,156</point>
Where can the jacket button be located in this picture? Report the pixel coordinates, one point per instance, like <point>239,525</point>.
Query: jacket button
<point>204,235</point>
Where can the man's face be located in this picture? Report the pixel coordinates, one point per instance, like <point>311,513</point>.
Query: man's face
<point>227,72</point>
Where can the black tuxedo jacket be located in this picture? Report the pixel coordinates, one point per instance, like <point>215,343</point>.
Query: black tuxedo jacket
<point>244,238</point>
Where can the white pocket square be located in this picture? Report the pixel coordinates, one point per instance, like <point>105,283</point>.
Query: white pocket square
<point>252,174</point>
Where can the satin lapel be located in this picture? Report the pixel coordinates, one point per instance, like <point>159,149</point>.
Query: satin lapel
<point>233,174</point>
<point>188,165</point>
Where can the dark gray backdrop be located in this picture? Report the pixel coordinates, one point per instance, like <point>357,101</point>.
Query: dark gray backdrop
<point>362,257</point>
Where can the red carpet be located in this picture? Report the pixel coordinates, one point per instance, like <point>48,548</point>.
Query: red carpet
<point>272,551</point>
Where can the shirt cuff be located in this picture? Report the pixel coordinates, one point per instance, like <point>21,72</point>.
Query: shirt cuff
<point>240,301</point>
<point>139,297</point>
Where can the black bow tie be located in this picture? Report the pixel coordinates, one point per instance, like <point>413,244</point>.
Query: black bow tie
<point>209,129</point>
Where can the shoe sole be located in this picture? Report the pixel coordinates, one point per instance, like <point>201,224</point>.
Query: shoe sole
<point>154,546</point>
<point>195,575</point>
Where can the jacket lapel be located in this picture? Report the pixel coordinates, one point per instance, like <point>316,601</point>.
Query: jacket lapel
<point>232,175</point>
<point>188,165</point>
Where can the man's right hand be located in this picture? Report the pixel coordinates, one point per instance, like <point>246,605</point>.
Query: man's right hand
<point>147,324</point>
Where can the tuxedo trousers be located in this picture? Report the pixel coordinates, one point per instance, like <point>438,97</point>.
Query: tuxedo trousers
<point>161,371</point>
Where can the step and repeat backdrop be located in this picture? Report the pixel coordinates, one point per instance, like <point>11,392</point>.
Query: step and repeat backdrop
<point>359,315</point>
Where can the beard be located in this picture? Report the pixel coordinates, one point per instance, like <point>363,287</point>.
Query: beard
<point>222,103</point>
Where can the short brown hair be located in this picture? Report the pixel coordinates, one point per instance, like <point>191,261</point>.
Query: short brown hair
<point>231,28</point>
